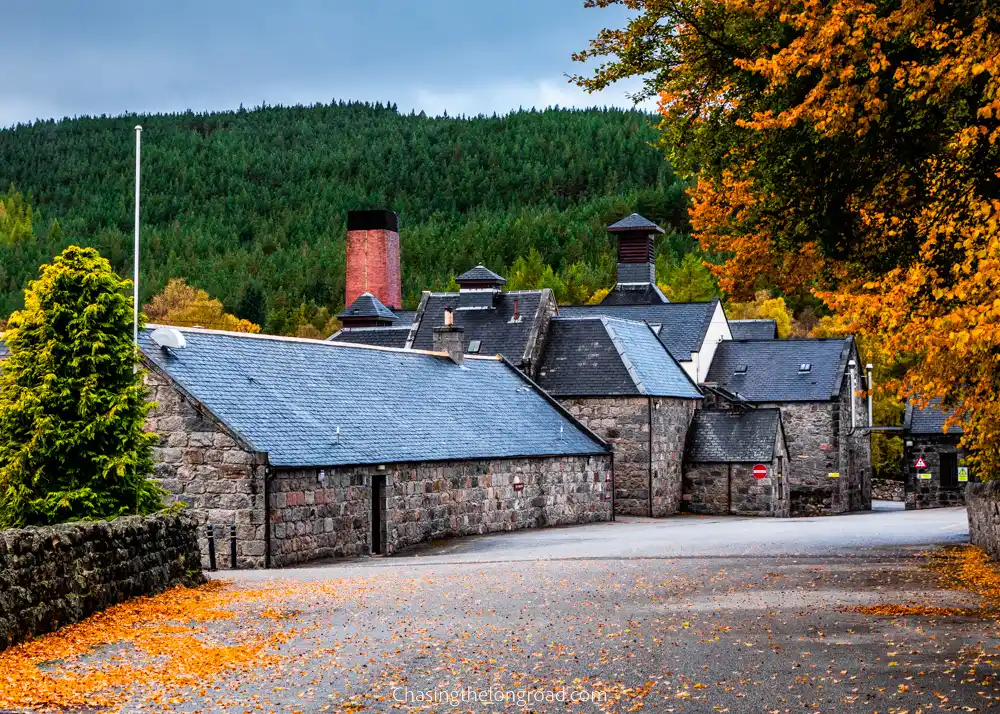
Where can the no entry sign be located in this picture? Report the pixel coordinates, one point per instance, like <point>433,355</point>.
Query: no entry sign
<point>760,471</point>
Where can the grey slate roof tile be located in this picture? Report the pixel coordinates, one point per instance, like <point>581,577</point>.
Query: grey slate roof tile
<point>405,317</point>
<point>495,328</point>
<point>772,368</point>
<point>633,295</point>
<point>4,352</point>
<point>732,436</point>
<point>287,397</point>
<point>599,356</point>
<point>373,336</point>
<point>481,274</point>
<point>683,324</point>
<point>634,222</point>
<point>754,329</point>
<point>930,420</point>
<point>367,305</point>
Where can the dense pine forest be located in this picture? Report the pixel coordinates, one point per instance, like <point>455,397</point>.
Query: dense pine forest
<point>250,205</point>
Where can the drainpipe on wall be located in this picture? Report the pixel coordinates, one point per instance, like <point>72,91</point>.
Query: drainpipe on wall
<point>612,485</point>
<point>649,402</point>
<point>871,389</point>
<point>850,372</point>
<point>267,517</point>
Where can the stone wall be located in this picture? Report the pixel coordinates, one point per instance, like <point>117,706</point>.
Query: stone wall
<point>928,492</point>
<point>884,489</point>
<point>313,517</point>
<point>425,501</point>
<point>983,504</point>
<point>201,464</point>
<point>671,421</point>
<point>624,422</point>
<point>854,449</point>
<point>50,577</point>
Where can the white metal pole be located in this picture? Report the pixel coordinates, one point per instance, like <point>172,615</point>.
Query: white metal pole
<point>871,392</point>
<point>135,267</point>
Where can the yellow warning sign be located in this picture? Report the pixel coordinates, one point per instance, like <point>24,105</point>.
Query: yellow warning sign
<point>834,475</point>
<point>963,473</point>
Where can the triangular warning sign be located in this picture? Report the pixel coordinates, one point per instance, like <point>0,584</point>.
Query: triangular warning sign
<point>921,464</point>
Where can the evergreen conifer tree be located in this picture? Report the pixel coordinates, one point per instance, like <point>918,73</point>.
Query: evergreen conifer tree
<point>72,407</point>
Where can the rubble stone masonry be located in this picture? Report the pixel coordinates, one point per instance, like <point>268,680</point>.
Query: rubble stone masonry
<point>202,465</point>
<point>625,423</point>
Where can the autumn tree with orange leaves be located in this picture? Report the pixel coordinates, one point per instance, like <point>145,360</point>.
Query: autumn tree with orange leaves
<point>845,150</point>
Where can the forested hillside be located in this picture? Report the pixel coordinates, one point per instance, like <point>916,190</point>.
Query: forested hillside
<point>251,205</point>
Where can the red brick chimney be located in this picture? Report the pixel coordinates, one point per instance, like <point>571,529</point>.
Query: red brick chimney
<point>373,257</point>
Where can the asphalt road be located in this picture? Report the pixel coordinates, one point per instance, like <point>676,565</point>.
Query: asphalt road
<point>679,615</point>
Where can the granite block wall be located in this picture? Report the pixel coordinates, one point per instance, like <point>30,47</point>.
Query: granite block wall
<point>624,422</point>
<point>425,501</point>
<point>884,489</point>
<point>201,464</point>
<point>671,421</point>
<point>316,517</point>
<point>929,492</point>
<point>51,577</point>
<point>983,505</point>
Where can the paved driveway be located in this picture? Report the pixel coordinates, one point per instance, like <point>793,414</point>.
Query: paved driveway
<point>685,614</point>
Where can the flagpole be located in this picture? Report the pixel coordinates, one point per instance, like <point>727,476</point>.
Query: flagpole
<point>135,267</point>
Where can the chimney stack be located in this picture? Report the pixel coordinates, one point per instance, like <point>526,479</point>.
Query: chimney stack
<point>373,257</point>
<point>450,338</point>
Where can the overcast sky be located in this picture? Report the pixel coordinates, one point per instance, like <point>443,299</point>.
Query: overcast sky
<point>68,58</point>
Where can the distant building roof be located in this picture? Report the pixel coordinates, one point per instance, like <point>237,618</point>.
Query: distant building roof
<point>405,317</point>
<point>367,305</point>
<point>733,436</point>
<point>288,397</point>
<point>634,222</point>
<point>394,336</point>
<point>4,352</point>
<point>495,328</point>
<point>681,326</point>
<point>600,356</point>
<point>929,420</point>
<point>754,329</point>
<point>793,370</point>
<point>635,295</point>
<point>480,274</point>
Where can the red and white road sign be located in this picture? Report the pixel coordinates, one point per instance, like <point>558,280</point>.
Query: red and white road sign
<point>760,471</point>
<point>921,464</point>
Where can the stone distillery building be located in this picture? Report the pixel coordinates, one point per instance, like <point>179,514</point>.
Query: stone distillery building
<point>934,466</point>
<point>317,449</point>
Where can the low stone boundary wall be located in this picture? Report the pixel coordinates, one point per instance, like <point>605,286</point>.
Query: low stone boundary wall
<point>982,500</point>
<point>884,489</point>
<point>51,577</point>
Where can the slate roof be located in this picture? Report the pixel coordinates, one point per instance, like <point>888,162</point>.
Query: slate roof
<point>754,329</point>
<point>600,356</point>
<point>732,436</point>
<point>634,295</point>
<point>367,305</point>
<point>394,336</point>
<point>494,328</point>
<point>482,274</point>
<point>287,397</point>
<point>772,368</point>
<point>683,324</point>
<point>405,317</point>
<point>4,352</point>
<point>634,222</point>
<point>929,420</point>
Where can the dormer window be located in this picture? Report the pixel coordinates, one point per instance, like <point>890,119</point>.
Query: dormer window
<point>805,367</point>
<point>740,369</point>
<point>474,346</point>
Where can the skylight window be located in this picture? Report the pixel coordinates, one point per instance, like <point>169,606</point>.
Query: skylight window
<point>474,346</point>
<point>740,369</point>
<point>805,367</point>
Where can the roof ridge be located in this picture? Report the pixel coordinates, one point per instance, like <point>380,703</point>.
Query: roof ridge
<point>626,361</point>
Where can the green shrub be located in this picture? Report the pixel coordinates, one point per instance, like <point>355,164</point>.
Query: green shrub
<point>72,405</point>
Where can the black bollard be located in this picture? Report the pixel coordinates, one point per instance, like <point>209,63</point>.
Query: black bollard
<point>232,546</point>
<point>211,548</point>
